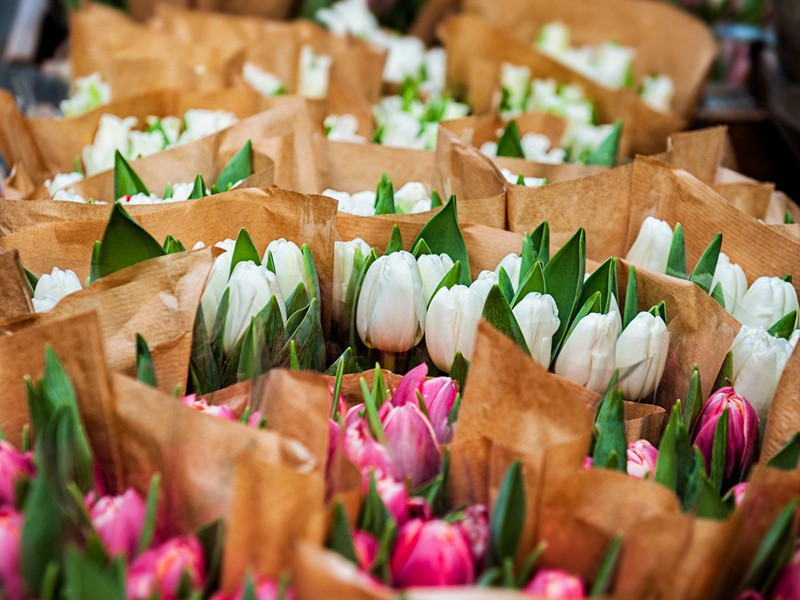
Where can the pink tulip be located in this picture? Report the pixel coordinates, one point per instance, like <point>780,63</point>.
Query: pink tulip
<point>265,589</point>
<point>202,405</point>
<point>439,395</point>
<point>14,465</point>
<point>418,508</point>
<point>588,463</point>
<point>367,454</point>
<point>394,495</point>
<point>642,459</point>
<point>739,490</point>
<point>161,569</point>
<point>431,553</point>
<point>556,584</point>
<point>412,444</point>
<point>10,532</point>
<point>742,432</point>
<point>475,526</point>
<point>119,521</point>
<point>788,585</point>
<point>357,413</point>
<point>410,384</point>
<point>367,548</point>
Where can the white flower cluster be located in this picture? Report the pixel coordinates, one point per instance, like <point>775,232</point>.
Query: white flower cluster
<point>609,64</point>
<point>52,287</point>
<point>58,189</point>
<point>535,147</point>
<point>314,73</point>
<point>526,181</point>
<point>343,128</point>
<point>412,198</point>
<point>87,93</point>
<point>405,122</point>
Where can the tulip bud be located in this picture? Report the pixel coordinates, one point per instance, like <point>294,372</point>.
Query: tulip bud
<point>651,248</point>
<point>452,320</point>
<point>641,355</point>
<point>431,553</point>
<point>432,269</point>
<point>742,432</point>
<point>439,395</point>
<point>265,589</point>
<point>758,363</point>
<point>788,585</point>
<point>14,465</point>
<point>731,280</point>
<point>367,454</point>
<point>367,548</point>
<point>52,287</point>
<point>418,508</point>
<point>411,197</point>
<point>642,459</point>
<point>394,496</point>
<point>588,463</point>
<point>202,405</point>
<point>251,288</point>
<point>314,73</point>
<point>343,256</point>
<point>512,264</point>
<point>10,532</point>
<point>119,521</point>
<point>765,302</point>
<point>290,266</point>
<point>588,355</point>
<point>412,443</point>
<point>739,491</point>
<point>516,83</point>
<point>556,584</point>
<point>160,570</point>
<point>390,314</point>
<point>216,283</point>
<point>537,317</point>
<point>475,526</point>
<point>484,283</point>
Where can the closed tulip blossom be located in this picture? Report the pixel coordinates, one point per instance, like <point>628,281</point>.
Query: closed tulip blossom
<point>641,355</point>
<point>642,459</point>
<point>251,288</point>
<point>483,284</point>
<point>788,584</point>
<point>432,269</point>
<point>758,363</point>
<point>52,287</point>
<point>452,324</point>
<point>651,248</point>
<point>512,263</point>
<point>742,432</point>
<point>731,280</point>
<point>119,521</point>
<point>159,571</point>
<point>216,283</point>
<point>475,526</point>
<point>431,553</point>
<point>14,466</point>
<point>343,257</point>
<point>11,583</point>
<point>202,405</point>
<point>412,443</point>
<point>439,395</point>
<point>588,355</point>
<point>263,588</point>
<point>367,548</point>
<point>367,454</point>
<point>537,316</point>
<point>391,307</point>
<point>765,302</point>
<point>314,73</point>
<point>290,266</point>
<point>394,495</point>
<point>739,491</point>
<point>555,584</point>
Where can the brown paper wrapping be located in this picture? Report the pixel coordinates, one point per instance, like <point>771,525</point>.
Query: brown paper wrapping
<point>751,198</point>
<point>15,298</point>
<point>667,40</point>
<point>783,420</point>
<point>271,9</point>
<point>476,50</point>
<point>779,202</point>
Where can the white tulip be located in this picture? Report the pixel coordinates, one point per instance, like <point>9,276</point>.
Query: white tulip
<point>435,69</point>
<point>532,182</point>
<point>88,93</point>
<point>264,82</point>
<point>651,248</point>
<point>360,203</point>
<point>537,317</point>
<point>404,58</point>
<point>657,91</point>
<point>343,128</point>
<point>407,197</point>
<point>52,287</point>
<point>484,283</point>
<point>765,302</point>
<point>641,355</point>
<point>348,16</point>
<point>216,283</point>
<point>251,288</point>
<point>290,266</point>
<point>432,269</point>
<point>200,123</point>
<point>758,362</point>
<point>516,82</point>
<point>489,149</point>
<point>112,135</point>
<point>343,256</point>
<point>391,307</point>
<point>613,64</point>
<point>145,143</point>
<point>315,72</point>
<point>732,281</point>
<point>588,355</point>
<point>452,324</point>
<point>553,38</point>
<point>512,264</point>
<point>61,181</point>
<point>402,130</point>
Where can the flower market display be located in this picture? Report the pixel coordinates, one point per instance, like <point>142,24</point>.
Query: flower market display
<point>369,300</point>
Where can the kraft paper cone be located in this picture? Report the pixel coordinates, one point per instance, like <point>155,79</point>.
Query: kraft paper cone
<point>271,505</point>
<point>15,298</point>
<point>750,198</point>
<point>779,202</point>
<point>667,40</point>
<point>476,51</point>
<point>351,385</point>
<point>676,196</point>
<point>430,14</point>
<point>143,9</point>
<point>196,454</point>
<point>783,420</point>
<point>270,9</point>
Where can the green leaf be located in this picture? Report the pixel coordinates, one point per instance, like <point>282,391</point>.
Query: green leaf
<point>508,517</point>
<point>605,573</point>
<point>604,281</point>
<point>703,272</point>
<point>563,276</point>
<point>605,154</point>
<point>725,375</point>
<point>504,282</point>
<point>631,299</point>
<point>172,246</point>
<point>341,537</point>
<point>451,278</point>
<point>337,389</point>
<point>775,551</point>
<point>168,191</point>
<point>497,313</point>
<point>694,400</point>
<point>420,249</point>
<point>784,327</point>
<point>384,196</point>
<point>348,360</point>
<point>199,188</point>
<point>435,490</point>
<point>675,457</point>
<point>676,262</point>
<point>86,579</point>
<point>510,142</point>
<point>787,278</point>
<point>611,432</point>
<point>374,516</point>
<point>520,179</point>
<point>787,218</point>
<point>239,167</point>
<point>719,452</point>
<point>212,540</point>
<point>443,236</point>
<point>125,243</point>
<point>371,411</point>
<point>436,200</point>
<point>32,281</point>
<point>659,310</point>
<point>787,457</point>
<point>395,242</point>
<point>149,527</point>
<point>126,181</point>
<point>145,369</point>
<point>702,497</point>
<point>534,282</point>
<point>459,370</point>
<point>718,295</point>
<point>244,250</point>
